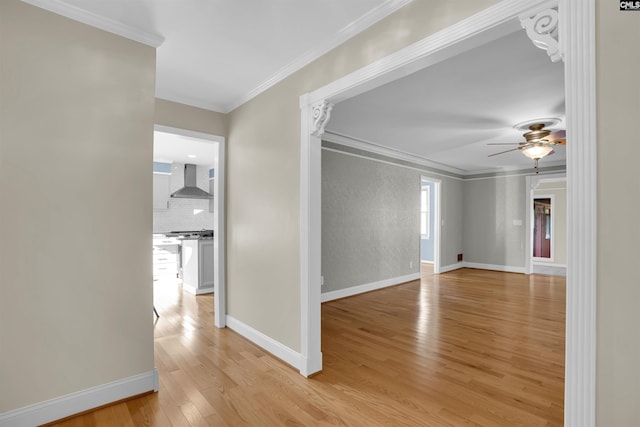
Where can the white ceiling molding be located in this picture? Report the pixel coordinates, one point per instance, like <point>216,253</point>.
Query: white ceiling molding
<point>97,21</point>
<point>371,147</point>
<point>542,29</point>
<point>328,44</point>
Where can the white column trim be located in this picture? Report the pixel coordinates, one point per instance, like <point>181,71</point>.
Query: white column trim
<point>577,33</point>
<point>577,41</point>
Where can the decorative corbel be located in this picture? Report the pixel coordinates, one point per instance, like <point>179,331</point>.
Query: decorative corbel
<point>542,29</point>
<point>320,116</point>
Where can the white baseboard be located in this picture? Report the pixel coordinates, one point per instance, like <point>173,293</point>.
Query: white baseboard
<point>367,287</point>
<point>274,347</point>
<point>506,268</point>
<point>74,403</point>
<point>200,291</point>
<point>550,269</point>
<point>197,291</point>
<point>481,266</point>
<point>451,267</point>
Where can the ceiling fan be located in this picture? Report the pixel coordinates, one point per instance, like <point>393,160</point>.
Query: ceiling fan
<point>539,142</point>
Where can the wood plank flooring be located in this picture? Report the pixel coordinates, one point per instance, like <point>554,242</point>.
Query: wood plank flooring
<point>465,348</point>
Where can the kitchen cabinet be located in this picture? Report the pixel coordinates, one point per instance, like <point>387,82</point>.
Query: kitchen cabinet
<point>161,191</point>
<point>197,266</point>
<point>165,257</point>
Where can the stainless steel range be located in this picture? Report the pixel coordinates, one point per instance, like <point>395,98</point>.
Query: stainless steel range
<point>191,235</point>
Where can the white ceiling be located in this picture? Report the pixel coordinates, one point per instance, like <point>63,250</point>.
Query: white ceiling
<point>170,148</point>
<point>217,54</point>
<point>449,112</point>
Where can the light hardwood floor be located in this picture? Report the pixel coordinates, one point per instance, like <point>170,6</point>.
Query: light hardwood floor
<point>469,347</point>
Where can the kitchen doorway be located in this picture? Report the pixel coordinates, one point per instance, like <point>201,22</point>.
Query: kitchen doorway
<point>198,160</point>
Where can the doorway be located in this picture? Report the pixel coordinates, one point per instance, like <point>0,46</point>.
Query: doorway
<point>214,169</point>
<point>547,225</point>
<point>430,223</point>
<point>578,47</point>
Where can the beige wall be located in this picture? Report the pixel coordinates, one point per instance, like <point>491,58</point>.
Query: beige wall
<point>263,277</point>
<point>181,116</point>
<point>618,92</point>
<point>76,122</point>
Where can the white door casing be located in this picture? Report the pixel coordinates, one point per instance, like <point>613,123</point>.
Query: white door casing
<point>220,311</point>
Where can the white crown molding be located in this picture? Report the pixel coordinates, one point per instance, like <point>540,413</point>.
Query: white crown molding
<point>77,14</point>
<point>216,107</point>
<point>371,147</point>
<point>354,28</point>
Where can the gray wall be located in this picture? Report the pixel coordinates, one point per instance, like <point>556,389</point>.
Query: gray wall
<point>371,217</point>
<point>491,205</point>
<point>370,221</point>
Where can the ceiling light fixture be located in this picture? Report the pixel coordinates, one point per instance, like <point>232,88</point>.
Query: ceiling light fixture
<point>537,151</point>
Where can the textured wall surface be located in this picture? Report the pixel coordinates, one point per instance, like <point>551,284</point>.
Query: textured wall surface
<point>490,207</point>
<point>370,221</point>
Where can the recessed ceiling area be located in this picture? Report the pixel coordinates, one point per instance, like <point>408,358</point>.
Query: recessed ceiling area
<point>172,148</point>
<point>448,112</point>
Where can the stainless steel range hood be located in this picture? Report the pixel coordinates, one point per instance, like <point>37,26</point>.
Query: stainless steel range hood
<point>190,189</point>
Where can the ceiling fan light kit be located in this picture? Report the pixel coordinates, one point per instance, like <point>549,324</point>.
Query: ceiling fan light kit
<point>537,151</point>
<point>539,141</point>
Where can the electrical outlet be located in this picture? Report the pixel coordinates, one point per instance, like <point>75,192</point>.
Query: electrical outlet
<point>410,264</point>
<point>459,257</point>
<point>321,280</point>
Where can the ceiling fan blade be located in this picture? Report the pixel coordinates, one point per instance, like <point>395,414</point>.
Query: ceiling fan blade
<point>502,152</point>
<point>558,137</point>
<point>505,143</point>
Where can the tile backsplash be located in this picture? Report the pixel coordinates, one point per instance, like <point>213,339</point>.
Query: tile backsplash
<point>185,214</point>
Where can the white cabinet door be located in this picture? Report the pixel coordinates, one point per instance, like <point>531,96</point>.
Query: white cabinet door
<point>161,191</point>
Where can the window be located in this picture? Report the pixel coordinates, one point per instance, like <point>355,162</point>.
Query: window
<point>424,212</point>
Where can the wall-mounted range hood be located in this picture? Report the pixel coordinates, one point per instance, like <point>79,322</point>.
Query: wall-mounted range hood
<point>190,189</point>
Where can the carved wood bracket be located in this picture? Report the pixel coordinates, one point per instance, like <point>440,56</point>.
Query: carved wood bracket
<point>542,29</point>
<point>320,114</point>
